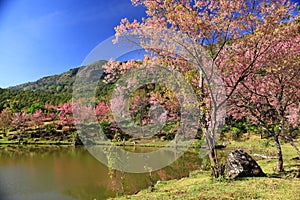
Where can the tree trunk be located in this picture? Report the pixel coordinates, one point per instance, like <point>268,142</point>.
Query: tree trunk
<point>279,167</point>
<point>214,163</point>
<point>212,153</point>
<point>209,136</point>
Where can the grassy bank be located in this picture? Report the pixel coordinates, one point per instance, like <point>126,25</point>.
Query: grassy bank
<point>200,185</point>
<point>47,134</point>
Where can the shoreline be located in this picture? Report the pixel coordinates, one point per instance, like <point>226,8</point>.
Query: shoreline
<point>126,144</point>
<point>200,185</point>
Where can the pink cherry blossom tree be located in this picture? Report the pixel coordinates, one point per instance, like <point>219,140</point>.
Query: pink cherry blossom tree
<point>102,111</point>
<point>237,35</point>
<point>37,118</point>
<point>270,97</point>
<point>19,120</point>
<point>66,114</point>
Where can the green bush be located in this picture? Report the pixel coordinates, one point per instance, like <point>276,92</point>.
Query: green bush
<point>170,129</point>
<point>236,128</point>
<point>50,128</point>
<point>106,128</point>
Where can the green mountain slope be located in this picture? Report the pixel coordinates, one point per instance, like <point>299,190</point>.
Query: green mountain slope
<point>19,100</point>
<point>56,84</point>
<point>55,90</point>
<point>53,84</point>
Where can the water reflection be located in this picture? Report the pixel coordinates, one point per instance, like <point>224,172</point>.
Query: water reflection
<point>68,173</point>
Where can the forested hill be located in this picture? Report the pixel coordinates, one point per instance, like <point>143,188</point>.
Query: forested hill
<point>18,100</point>
<point>53,84</point>
<point>56,84</point>
<point>54,90</point>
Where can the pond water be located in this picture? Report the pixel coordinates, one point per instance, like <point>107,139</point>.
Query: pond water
<point>69,173</point>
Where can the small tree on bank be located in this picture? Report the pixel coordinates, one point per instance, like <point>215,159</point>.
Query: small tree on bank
<point>19,120</point>
<point>5,120</point>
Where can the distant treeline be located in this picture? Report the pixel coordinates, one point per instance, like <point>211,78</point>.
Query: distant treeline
<point>18,100</point>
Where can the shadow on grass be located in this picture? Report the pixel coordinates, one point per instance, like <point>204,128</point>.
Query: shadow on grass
<point>293,173</point>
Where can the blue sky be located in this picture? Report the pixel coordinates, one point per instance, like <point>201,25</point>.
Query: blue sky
<point>45,37</point>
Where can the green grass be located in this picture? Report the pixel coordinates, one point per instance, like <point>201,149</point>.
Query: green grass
<point>267,147</point>
<point>200,185</point>
<point>5,141</point>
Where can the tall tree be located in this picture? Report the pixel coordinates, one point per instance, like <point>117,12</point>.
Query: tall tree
<point>270,97</point>
<point>226,29</point>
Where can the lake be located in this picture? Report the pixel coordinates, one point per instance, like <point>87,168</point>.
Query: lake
<point>69,173</point>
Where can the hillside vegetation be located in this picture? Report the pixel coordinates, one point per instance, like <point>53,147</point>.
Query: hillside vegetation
<point>56,84</point>
<point>54,90</point>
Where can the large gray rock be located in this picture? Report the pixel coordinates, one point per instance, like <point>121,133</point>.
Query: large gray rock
<point>241,164</point>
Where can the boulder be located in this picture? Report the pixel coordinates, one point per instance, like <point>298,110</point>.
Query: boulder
<point>241,164</point>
